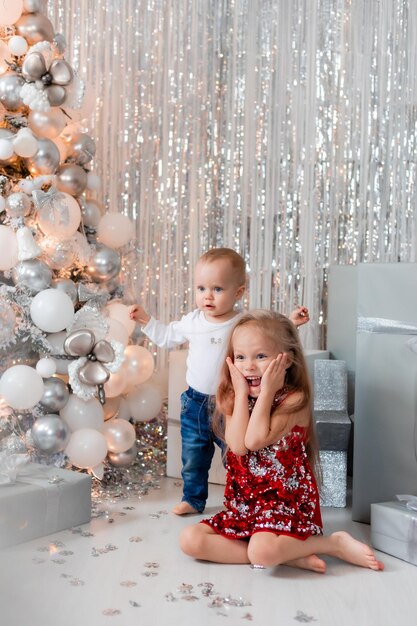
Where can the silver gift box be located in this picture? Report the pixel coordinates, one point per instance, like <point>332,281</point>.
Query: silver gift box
<point>382,298</point>
<point>394,530</point>
<point>42,501</point>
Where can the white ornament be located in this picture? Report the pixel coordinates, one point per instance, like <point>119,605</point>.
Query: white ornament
<point>26,245</point>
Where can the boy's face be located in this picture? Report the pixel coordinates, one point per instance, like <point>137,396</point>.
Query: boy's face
<point>217,289</point>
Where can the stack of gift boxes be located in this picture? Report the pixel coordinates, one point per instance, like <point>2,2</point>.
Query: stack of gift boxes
<point>372,324</point>
<point>332,428</point>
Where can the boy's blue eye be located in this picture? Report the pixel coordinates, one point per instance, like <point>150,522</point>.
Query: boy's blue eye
<point>218,289</point>
<point>199,288</point>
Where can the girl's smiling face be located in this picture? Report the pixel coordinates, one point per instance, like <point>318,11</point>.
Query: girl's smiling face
<point>253,351</point>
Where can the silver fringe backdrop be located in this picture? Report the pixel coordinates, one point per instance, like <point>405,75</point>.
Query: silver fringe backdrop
<point>285,129</point>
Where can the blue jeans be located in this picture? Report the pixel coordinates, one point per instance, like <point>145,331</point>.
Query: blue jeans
<point>197,441</point>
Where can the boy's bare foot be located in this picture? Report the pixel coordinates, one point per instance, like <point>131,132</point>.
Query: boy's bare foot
<point>183,508</point>
<point>312,563</point>
<point>354,551</point>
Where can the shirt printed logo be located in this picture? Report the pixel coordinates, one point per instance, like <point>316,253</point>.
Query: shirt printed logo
<point>215,340</point>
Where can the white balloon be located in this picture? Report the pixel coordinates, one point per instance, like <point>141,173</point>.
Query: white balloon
<point>87,448</point>
<point>46,367</point>
<point>78,413</point>
<point>52,310</point>
<point>115,230</point>
<point>116,384</point>
<point>21,387</point>
<point>17,45</point>
<point>120,312</point>
<point>120,435</point>
<point>138,364</point>
<point>145,402</point>
<point>6,149</point>
<point>124,410</point>
<point>10,12</point>
<point>8,248</point>
<point>25,144</point>
<point>117,331</point>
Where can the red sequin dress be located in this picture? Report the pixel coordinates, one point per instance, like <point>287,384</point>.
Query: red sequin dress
<point>272,489</point>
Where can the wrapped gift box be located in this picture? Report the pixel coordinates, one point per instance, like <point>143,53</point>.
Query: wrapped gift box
<point>43,500</point>
<point>381,299</point>
<point>333,429</point>
<point>394,530</point>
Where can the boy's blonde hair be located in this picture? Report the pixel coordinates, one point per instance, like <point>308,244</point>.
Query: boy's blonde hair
<point>236,261</point>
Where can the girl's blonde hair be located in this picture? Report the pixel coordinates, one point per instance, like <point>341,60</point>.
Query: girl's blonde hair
<point>282,331</point>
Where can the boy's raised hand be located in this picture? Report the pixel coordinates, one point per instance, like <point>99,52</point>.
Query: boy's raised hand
<point>299,316</point>
<point>138,313</point>
<point>239,382</point>
<point>273,378</point>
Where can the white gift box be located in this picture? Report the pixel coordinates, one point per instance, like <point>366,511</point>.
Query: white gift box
<point>43,500</point>
<point>394,530</point>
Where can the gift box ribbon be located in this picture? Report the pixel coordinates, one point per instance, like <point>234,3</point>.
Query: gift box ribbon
<point>411,504</point>
<point>386,326</point>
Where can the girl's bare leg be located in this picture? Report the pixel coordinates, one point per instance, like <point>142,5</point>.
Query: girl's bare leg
<point>269,550</point>
<point>202,542</point>
<point>312,563</point>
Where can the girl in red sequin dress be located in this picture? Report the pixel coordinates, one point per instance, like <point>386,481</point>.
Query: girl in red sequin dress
<point>272,510</point>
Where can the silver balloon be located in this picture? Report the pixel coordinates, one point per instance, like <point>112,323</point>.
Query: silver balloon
<point>79,342</point>
<point>56,95</point>
<point>34,6</point>
<point>50,433</point>
<point>91,213</point>
<point>71,178</point>
<point>68,286</point>
<point>55,395</point>
<point>10,85</point>
<point>104,264</point>
<point>35,27</point>
<point>93,373</point>
<point>46,160</point>
<point>123,459</point>
<point>104,352</point>
<point>33,273</point>
<point>18,205</point>
<point>34,66</point>
<point>83,149</point>
<point>61,72</point>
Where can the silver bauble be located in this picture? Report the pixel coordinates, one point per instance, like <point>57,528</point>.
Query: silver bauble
<point>35,27</point>
<point>55,395</point>
<point>104,264</point>
<point>93,373</point>
<point>33,273</point>
<point>46,159</point>
<point>10,85</point>
<point>83,148</point>
<point>123,459</point>
<point>50,433</point>
<point>67,285</point>
<point>34,6</point>
<point>18,205</point>
<point>71,178</point>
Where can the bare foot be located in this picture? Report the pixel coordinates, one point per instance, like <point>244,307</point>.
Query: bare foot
<point>354,551</point>
<point>312,563</point>
<point>183,508</point>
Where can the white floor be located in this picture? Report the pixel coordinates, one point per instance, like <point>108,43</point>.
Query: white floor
<point>126,568</point>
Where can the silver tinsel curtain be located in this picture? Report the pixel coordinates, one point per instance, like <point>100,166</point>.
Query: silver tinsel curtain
<point>285,129</point>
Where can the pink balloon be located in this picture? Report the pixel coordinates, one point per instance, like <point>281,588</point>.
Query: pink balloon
<point>116,384</point>
<point>115,230</point>
<point>87,448</point>
<point>145,402</point>
<point>120,435</point>
<point>139,364</point>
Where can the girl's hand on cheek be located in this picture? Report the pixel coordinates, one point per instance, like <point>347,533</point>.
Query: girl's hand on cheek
<point>239,382</point>
<point>274,376</point>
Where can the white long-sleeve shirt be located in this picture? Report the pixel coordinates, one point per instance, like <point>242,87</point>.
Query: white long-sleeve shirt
<point>207,342</point>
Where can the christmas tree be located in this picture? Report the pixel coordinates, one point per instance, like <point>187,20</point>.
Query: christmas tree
<point>74,384</point>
